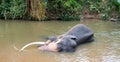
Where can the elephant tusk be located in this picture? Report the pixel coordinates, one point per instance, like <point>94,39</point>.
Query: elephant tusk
<point>32,43</point>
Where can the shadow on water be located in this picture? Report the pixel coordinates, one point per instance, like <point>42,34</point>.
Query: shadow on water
<point>105,48</point>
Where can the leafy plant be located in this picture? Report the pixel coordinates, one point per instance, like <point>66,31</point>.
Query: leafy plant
<point>64,9</point>
<point>4,9</point>
<point>12,9</point>
<point>117,3</point>
<point>17,9</point>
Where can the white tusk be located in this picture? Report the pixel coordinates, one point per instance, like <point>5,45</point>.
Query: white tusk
<point>39,43</point>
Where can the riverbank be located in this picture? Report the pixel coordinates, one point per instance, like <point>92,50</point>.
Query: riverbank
<point>43,10</point>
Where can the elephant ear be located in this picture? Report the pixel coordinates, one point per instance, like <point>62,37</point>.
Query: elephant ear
<point>72,37</point>
<point>72,41</point>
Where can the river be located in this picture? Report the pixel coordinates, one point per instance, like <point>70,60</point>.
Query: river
<point>105,48</point>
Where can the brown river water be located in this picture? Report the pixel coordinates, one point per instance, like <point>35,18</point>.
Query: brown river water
<point>105,48</point>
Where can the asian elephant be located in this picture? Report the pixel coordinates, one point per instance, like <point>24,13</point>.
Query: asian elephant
<point>66,42</point>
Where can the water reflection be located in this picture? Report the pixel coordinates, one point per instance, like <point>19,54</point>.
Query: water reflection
<point>105,48</point>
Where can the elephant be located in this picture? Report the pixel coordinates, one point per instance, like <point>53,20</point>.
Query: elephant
<point>67,42</point>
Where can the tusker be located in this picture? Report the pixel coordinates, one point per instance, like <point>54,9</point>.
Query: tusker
<point>66,42</point>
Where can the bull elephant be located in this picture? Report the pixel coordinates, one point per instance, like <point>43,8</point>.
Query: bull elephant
<point>68,41</point>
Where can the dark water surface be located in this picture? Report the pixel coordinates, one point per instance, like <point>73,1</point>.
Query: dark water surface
<point>105,48</point>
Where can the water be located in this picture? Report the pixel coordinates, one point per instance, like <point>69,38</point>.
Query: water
<point>105,48</point>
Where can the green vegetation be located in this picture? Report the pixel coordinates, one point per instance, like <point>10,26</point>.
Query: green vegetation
<point>12,9</point>
<point>57,9</point>
<point>117,4</point>
<point>64,9</point>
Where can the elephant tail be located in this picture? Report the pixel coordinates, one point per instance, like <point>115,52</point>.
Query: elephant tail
<point>32,43</point>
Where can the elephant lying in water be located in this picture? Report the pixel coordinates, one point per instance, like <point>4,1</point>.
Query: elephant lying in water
<point>68,41</point>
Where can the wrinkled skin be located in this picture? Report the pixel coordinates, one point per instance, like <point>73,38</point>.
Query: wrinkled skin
<point>68,42</point>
